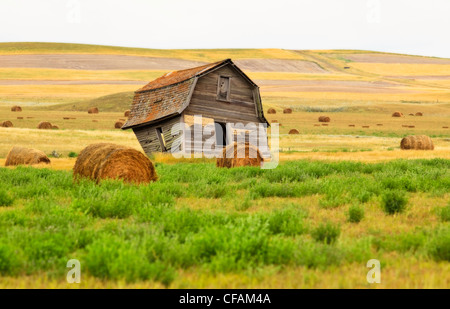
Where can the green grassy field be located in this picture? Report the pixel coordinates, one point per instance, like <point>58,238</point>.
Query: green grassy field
<point>255,225</point>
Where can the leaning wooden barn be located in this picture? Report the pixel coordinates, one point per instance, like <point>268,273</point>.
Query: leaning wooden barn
<point>227,100</point>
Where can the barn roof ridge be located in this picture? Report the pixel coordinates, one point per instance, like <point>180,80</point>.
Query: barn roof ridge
<point>175,77</point>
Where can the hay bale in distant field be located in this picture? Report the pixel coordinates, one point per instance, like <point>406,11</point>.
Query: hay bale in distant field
<point>324,119</point>
<point>55,127</point>
<point>293,131</point>
<point>365,127</point>
<point>417,142</point>
<point>411,126</point>
<point>127,113</point>
<point>16,108</point>
<point>419,114</point>
<point>44,125</point>
<point>351,125</point>
<point>379,124</point>
<point>6,124</point>
<point>405,125</point>
<point>105,160</point>
<point>411,114</point>
<point>287,111</point>
<point>19,117</point>
<point>118,125</point>
<point>444,127</point>
<point>66,118</point>
<point>94,120</point>
<point>30,117</point>
<point>236,155</point>
<point>271,111</point>
<point>317,125</point>
<point>325,124</point>
<point>397,114</point>
<point>93,110</point>
<point>26,156</point>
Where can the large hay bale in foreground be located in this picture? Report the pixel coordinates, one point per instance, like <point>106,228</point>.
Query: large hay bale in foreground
<point>293,131</point>
<point>271,111</point>
<point>26,156</point>
<point>93,110</point>
<point>44,125</point>
<point>417,142</point>
<point>324,119</point>
<point>127,113</point>
<point>236,155</point>
<point>6,124</point>
<point>397,114</point>
<point>16,108</point>
<point>110,161</point>
<point>287,111</point>
<point>118,125</point>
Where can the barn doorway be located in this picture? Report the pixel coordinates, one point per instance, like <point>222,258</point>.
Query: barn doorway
<point>221,134</point>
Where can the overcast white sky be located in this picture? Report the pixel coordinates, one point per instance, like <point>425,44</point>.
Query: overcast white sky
<point>419,27</point>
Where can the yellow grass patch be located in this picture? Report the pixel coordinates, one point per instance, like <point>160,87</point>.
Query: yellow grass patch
<point>390,69</point>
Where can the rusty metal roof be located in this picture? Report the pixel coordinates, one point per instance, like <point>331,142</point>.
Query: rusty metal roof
<point>168,95</point>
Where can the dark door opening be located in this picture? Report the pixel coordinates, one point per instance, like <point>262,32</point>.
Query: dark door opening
<point>221,134</point>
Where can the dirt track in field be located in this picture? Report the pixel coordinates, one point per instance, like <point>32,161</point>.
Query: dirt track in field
<point>380,58</point>
<point>330,86</point>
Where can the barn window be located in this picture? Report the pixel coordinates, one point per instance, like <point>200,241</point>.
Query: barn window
<point>161,139</point>
<point>223,88</point>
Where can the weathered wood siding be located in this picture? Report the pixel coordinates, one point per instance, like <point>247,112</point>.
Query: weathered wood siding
<point>148,138</point>
<point>241,108</point>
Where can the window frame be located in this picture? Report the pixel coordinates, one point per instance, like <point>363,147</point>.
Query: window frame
<point>218,97</point>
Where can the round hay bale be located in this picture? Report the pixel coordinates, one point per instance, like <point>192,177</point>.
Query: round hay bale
<point>324,119</point>
<point>417,142</point>
<point>93,110</point>
<point>93,120</point>
<point>118,124</point>
<point>16,108</point>
<point>379,124</point>
<point>365,127</point>
<point>411,126</point>
<point>293,131</point>
<point>55,127</point>
<point>287,111</point>
<point>444,127</point>
<point>411,114</point>
<point>44,125</point>
<point>30,117</point>
<point>127,113</point>
<point>271,111</point>
<point>7,124</point>
<point>397,114</point>
<point>419,114</point>
<point>110,161</point>
<point>236,155</point>
<point>26,156</point>
<point>19,117</point>
<point>66,118</point>
<point>351,125</point>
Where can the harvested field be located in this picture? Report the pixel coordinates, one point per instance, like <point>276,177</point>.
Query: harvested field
<point>380,58</point>
<point>279,65</point>
<point>104,160</point>
<point>95,62</point>
<point>25,156</point>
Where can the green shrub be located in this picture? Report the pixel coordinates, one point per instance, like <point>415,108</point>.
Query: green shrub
<point>393,202</point>
<point>439,248</point>
<point>73,154</point>
<point>326,232</point>
<point>286,221</point>
<point>9,261</point>
<point>5,198</point>
<point>444,213</point>
<point>355,213</point>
